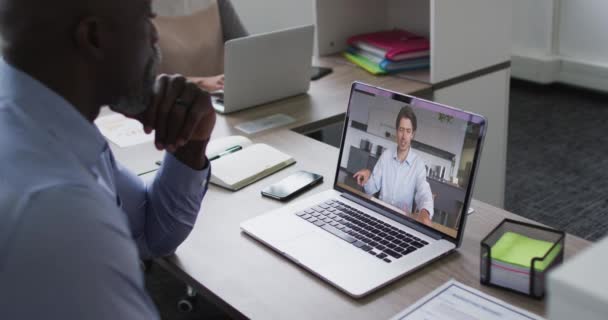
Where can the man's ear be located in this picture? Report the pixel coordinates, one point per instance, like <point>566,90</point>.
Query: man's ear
<point>90,38</point>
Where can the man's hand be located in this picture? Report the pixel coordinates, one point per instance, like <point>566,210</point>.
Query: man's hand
<point>183,118</point>
<point>209,83</point>
<point>362,176</point>
<point>423,216</point>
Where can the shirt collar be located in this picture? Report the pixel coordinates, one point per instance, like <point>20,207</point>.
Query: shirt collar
<point>411,155</point>
<point>52,113</point>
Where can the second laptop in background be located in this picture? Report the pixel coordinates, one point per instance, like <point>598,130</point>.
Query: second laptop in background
<point>266,67</point>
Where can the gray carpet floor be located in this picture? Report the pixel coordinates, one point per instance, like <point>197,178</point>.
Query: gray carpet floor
<point>557,173</point>
<point>557,163</point>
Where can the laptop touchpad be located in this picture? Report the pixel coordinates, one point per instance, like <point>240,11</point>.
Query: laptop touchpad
<point>271,228</point>
<point>317,248</point>
<point>310,249</point>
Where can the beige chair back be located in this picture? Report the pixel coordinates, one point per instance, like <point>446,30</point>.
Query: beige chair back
<point>192,45</point>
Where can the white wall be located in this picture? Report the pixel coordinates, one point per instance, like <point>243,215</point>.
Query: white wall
<point>583,30</point>
<point>268,15</point>
<point>532,26</point>
<point>354,138</point>
<point>257,15</point>
<point>169,7</point>
<point>561,41</point>
<point>441,135</point>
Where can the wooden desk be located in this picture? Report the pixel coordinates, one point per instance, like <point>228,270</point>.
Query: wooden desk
<point>241,274</point>
<point>247,279</point>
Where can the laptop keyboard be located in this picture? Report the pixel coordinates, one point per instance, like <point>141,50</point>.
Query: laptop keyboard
<point>365,232</point>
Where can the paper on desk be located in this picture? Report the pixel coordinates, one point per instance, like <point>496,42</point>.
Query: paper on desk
<point>454,300</point>
<point>123,131</point>
<point>261,124</point>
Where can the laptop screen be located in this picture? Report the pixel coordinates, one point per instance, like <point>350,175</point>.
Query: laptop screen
<point>413,157</point>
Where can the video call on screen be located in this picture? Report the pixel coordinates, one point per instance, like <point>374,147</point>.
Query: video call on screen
<point>443,149</point>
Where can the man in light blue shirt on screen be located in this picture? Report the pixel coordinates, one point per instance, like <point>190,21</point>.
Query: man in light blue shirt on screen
<point>400,174</point>
<point>73,222</point>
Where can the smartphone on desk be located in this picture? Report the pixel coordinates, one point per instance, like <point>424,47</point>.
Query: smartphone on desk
<point>292,185</point>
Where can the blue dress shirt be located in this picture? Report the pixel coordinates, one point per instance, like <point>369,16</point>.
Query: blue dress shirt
<point>73,222</point>
<point>401,183</point>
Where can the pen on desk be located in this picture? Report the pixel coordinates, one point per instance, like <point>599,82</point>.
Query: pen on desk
<point>227,151</point>
<point>217,156</point>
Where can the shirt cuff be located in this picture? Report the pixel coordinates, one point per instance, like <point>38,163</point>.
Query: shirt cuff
<point>182,179</point>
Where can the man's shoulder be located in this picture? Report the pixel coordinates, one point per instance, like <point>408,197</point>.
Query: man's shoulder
<point>388,153</point>
<point>417,162</point>
<point>415,157</point>
<point>30,159</point>
<point>22,142</point>
<point>40,178</point>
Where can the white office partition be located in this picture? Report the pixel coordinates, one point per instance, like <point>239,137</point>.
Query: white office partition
<point>468,35</point>
<point>577,289</point>
<point>411,15</point>
<point>489,96</point>
<point>465,35</point>
<point>337,20</point>
<point>169,8</point>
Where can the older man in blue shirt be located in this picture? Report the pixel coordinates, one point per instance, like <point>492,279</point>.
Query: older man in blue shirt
<point>73,222</point>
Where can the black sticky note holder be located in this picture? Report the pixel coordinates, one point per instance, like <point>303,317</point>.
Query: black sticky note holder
<point>535,286</point>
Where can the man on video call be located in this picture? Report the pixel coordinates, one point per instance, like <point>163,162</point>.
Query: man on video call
<point>400,174</point>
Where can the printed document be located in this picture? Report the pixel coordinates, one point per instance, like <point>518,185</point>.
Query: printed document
<point>456,301</point>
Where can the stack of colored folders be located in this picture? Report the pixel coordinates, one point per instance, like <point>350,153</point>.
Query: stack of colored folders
<point>511,263</point>
<point>388,51</point>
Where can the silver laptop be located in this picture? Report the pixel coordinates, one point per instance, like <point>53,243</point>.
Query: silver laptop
<point>265,67</point>
<point>400,197</point>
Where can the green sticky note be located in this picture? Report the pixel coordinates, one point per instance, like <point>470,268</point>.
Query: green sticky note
<point>519,250</point>
<point>364,63</point>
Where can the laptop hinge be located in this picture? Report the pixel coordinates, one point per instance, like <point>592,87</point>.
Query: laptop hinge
<point>431,233</point>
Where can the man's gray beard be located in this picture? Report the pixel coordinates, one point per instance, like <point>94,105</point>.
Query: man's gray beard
<point>137,102</point>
